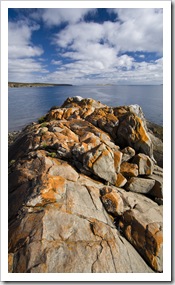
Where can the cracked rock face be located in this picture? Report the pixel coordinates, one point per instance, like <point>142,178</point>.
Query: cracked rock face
<point>77,193</point>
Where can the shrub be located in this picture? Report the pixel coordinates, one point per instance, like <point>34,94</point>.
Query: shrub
<point>41,119</point>
<point>44,125</point>
<point>12,162</point>
<point>52,154</point>
<point>44,145</point>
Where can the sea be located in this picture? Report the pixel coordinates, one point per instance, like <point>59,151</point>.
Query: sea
<point>27,104</point>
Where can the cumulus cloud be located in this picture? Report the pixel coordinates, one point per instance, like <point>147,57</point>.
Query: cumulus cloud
<point>20,45</point>
<point>90,52</point>
<point>95,49</point>
<point>22,53</point>
<point>85,72</point>
<point>54,17</point>
<point>140,30</point>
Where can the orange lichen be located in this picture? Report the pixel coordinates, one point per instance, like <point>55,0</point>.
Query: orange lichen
<point>53,185</point>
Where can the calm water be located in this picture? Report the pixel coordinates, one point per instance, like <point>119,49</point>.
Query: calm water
<point>26,105</point>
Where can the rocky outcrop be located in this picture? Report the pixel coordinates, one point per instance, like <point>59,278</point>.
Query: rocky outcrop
<point>85,194</point>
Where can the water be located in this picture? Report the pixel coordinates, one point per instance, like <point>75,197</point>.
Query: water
<point>26,105</point>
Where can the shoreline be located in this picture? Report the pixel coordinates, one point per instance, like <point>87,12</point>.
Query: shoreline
<point>19,85</point>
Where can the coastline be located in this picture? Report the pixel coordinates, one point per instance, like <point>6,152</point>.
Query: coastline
<point>19,84</point>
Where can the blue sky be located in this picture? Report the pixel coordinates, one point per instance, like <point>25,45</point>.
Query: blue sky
<point>86,46</point>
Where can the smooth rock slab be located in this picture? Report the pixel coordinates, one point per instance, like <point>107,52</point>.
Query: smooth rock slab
<point>140,185</point>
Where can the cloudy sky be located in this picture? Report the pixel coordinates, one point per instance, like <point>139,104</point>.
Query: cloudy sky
<point>86,46</point>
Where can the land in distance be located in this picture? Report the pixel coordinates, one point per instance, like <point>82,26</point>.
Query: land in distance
<point>20,84</point>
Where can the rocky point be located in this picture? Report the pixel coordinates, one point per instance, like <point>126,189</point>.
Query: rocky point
<point>86,192</point>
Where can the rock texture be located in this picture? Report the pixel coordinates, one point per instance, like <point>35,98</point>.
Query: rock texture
<point>85,193</point>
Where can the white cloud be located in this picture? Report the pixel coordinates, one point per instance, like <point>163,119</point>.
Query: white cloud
<point>90,52</point>
<point>56,62</point>
<point>95,48</point>
<point>19,35</point>
<point>88,72</point>
<point>22,54</point>
<point>141,30</point>
<point>54,17</point>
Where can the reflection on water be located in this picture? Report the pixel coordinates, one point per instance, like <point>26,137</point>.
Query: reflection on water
<point>28,104</point>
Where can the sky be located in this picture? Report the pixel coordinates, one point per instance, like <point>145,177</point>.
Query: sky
<point>86,46</point>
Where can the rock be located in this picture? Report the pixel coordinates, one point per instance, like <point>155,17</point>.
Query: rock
<point>121,180</point>
<point>63,218</point>
<point>129,169</point>
<point>71,233</point>
<point>145,233</point>
<point>112,202</point>
<point>139,220</point>
<point>128,153</point>
<point>101,161</point>
<point>137,110</point>
<point>117,160</point>
<point>157,149</point>
<point>131,132</point>
<point>157,190</point>
<point>145,164</point>
<point>105,120</point>
<point>140,185</point>
<point>155,130</point>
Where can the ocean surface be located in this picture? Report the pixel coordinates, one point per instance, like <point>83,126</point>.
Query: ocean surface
<point>26,105</point>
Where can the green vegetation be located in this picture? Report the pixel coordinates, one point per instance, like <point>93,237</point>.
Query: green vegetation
<point>44,145</point>
<point>12,162</point>
<point>52,154</point>
<point>42,120</point>
<point>44,125</point>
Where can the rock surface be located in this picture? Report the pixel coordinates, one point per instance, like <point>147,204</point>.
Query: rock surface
<point>85,194</point>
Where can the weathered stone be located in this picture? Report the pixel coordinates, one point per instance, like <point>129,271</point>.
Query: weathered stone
<point>117,160</point>
<point>144,231</point>
<point>61,220</point>
<point>63,169</point>
<point>131,131</point>
<point>105,120</point>
<point>157,190</point>
<point>113,203</point>
<point>145,164</point>
<point>137,110</point>
<point>10,262</point>
<point>75,235</point>
<point>140,185</point>
<point>101,161</point>
<point>121,180</point>
<point>129,169</point>
<point>157,149</point>
<point>128,153</point>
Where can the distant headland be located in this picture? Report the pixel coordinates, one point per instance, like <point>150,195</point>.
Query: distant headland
<point>20,84</point>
